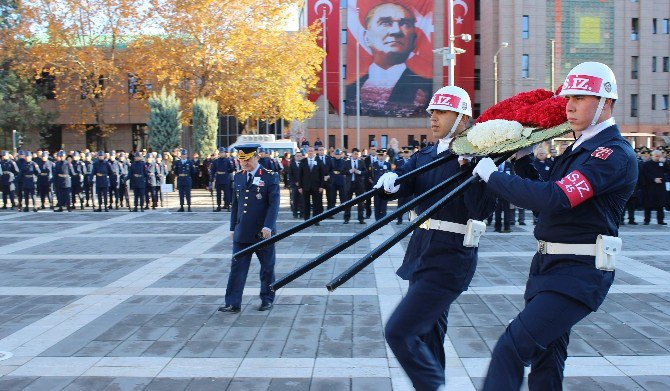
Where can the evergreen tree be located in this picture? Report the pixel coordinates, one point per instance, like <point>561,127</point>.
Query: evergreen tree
<point>205,126</point>
<point>164,121</point>
<point>21,108</point>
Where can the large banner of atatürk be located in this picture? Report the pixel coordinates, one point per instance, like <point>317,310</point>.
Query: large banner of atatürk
<point>394,39</point>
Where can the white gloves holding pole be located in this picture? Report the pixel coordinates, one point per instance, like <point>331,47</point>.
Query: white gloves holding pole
<point>485,168</point>
<point>387,181</point>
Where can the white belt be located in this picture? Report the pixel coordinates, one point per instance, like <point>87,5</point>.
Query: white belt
<point>565,248</point>
<point>446,226</point>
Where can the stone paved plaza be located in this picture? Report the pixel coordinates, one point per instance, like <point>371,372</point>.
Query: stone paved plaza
<point>127,301</point>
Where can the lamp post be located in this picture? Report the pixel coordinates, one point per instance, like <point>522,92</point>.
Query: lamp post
<point>449,53</point>
<point>495,71</point>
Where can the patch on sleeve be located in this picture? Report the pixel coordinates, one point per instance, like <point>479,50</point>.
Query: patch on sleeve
<point>576,187</point>
<point>602,153</point>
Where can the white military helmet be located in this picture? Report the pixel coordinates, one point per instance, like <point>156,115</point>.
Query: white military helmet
<point>451,98</point>
<point>591,78</point>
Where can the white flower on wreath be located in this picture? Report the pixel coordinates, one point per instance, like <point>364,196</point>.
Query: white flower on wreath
<point>488,134</point>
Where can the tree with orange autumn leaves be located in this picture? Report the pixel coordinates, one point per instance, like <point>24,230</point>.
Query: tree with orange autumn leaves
<point>234,52</point>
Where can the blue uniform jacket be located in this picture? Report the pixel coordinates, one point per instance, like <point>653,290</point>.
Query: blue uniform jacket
<point>101,172</point>
<point>138,175</point>
<point>183,172</point>
<point>337,172</point>
<point>63,172</point>
<point>78,177</point>
<point>88,173</point>
<point>28,175</point>
<point>543,168</point>
<point>46,174</point>
<point>437,254</point>
<point>9,172</point>
<point>220,170</point>
<point>379,169</point>
<point>254,206</point>
<point>585,196</point>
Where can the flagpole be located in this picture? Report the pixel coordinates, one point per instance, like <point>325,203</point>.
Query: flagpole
<point>358,96</point>
<point>341,89</point>
<point>325,84</point>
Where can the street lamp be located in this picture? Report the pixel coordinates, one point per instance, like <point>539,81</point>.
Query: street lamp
<point>495,71</point>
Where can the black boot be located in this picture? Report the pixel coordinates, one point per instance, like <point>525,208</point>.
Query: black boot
<point>181,209</point>
<point>218,208</point>
<point>189,208</point>
<point>135,210</point>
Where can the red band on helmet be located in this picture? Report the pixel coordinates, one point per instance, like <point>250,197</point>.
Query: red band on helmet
<point>576,187</point>
<point>585,83</point>
<point>446,100</point>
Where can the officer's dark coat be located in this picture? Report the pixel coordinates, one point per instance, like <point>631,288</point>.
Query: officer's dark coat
<point>654,193</point>
<point>28,175</point>
<point>138,175</point>
<point>63,173</point>
<point>220,170</point>
<point>543,167</point>
<point>46,175</point>
<point>434,254</point>
<point>152,174</point>
<point>184,172</point>
<point>101,172</point>
<point>585,196</point>
<point>9,172</point>
<point>254,206</point>
<point>337,173</point>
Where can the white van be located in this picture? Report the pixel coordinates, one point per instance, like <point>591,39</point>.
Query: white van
<point>268,141</point>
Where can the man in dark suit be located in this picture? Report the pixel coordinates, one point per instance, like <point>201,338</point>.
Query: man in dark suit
<point>390,88</point>
<point>328,183</point>
<point>293,175</point>
<point>311,184</point>
<point>356,174</point>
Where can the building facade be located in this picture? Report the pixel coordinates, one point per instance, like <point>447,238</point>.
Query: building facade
<point>633,37</point>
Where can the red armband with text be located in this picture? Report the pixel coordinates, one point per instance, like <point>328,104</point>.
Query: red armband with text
<point>576,187</point>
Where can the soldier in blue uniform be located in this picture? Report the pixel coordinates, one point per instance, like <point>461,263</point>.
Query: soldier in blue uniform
<point>9,172</point>
<point>78,181</point>
<point>114,180</point>
<point>101,172</point>
<point>124,178</point>
<point>579,211</point>
<point>220,171</point>
<point>28,179</point>
<point>184,169</point>
<point>20,162</point>
<point>337,179</point>
<point>63,172</point>
<point>253,218</point>
<point>152,182</point>
<point>438,264</point>
<point>138,174</point>
<point>400,162</point>
<point>380,167</point>
<point>45,181</point>
<point>89,182</point>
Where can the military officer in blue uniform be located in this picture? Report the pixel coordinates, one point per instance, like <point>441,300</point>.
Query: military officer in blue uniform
<point>114,180</point>
<point>579,211</point>
<point>7,181</point>
<point>401,160</point>
<point>184,169</point>
<point>45,180</point>
<point>253,218</point>
<point>89,182</point>
<point>28,179</point>
<point>438,264</point>
<point>138,174</point>
<point>152,182</point>
<point>337,178</point>
<point>124,178</point>
<point>101,172</point>
<point>220,171</point>
<point>380,167</point>
<point>20,162</point>
<point>77,181</point>
<point>63,173</point>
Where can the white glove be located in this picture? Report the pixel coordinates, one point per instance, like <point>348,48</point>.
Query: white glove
<point>485,168</point>
<point>387,181</point>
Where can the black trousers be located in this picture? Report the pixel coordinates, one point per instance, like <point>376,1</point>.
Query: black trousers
<point>311,199</point>
<point>503,215</point>
<point>355,189</point>
<point>139,195</point>
<point>660,215</point>
<point>102,196</point>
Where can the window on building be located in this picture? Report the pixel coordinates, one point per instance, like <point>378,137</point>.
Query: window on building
<point>385,141</point>
<point>476,109</point>
<point>343,36</point>
<point>477,15</point>
<point>633,105</point>
<point>45,82</point>
<point>478,75</point>
<point>343,4</point>
<point>344,71</point>
<point>653,64</point>
<point>634,28</point>
<point>525,66</point>
<point>525,27</point>
<point>653,101</point>
<point>137,87</point>
<point>653,26</point>
<point>92,87</point>
<point>666,26</point>
<point>634,65</point>
<point>478,44</point>
<point>664,102</point>
<point>666,64</point>
<point>410,140</point>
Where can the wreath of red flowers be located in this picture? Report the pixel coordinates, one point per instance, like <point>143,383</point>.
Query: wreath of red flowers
<point>537,108</point>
